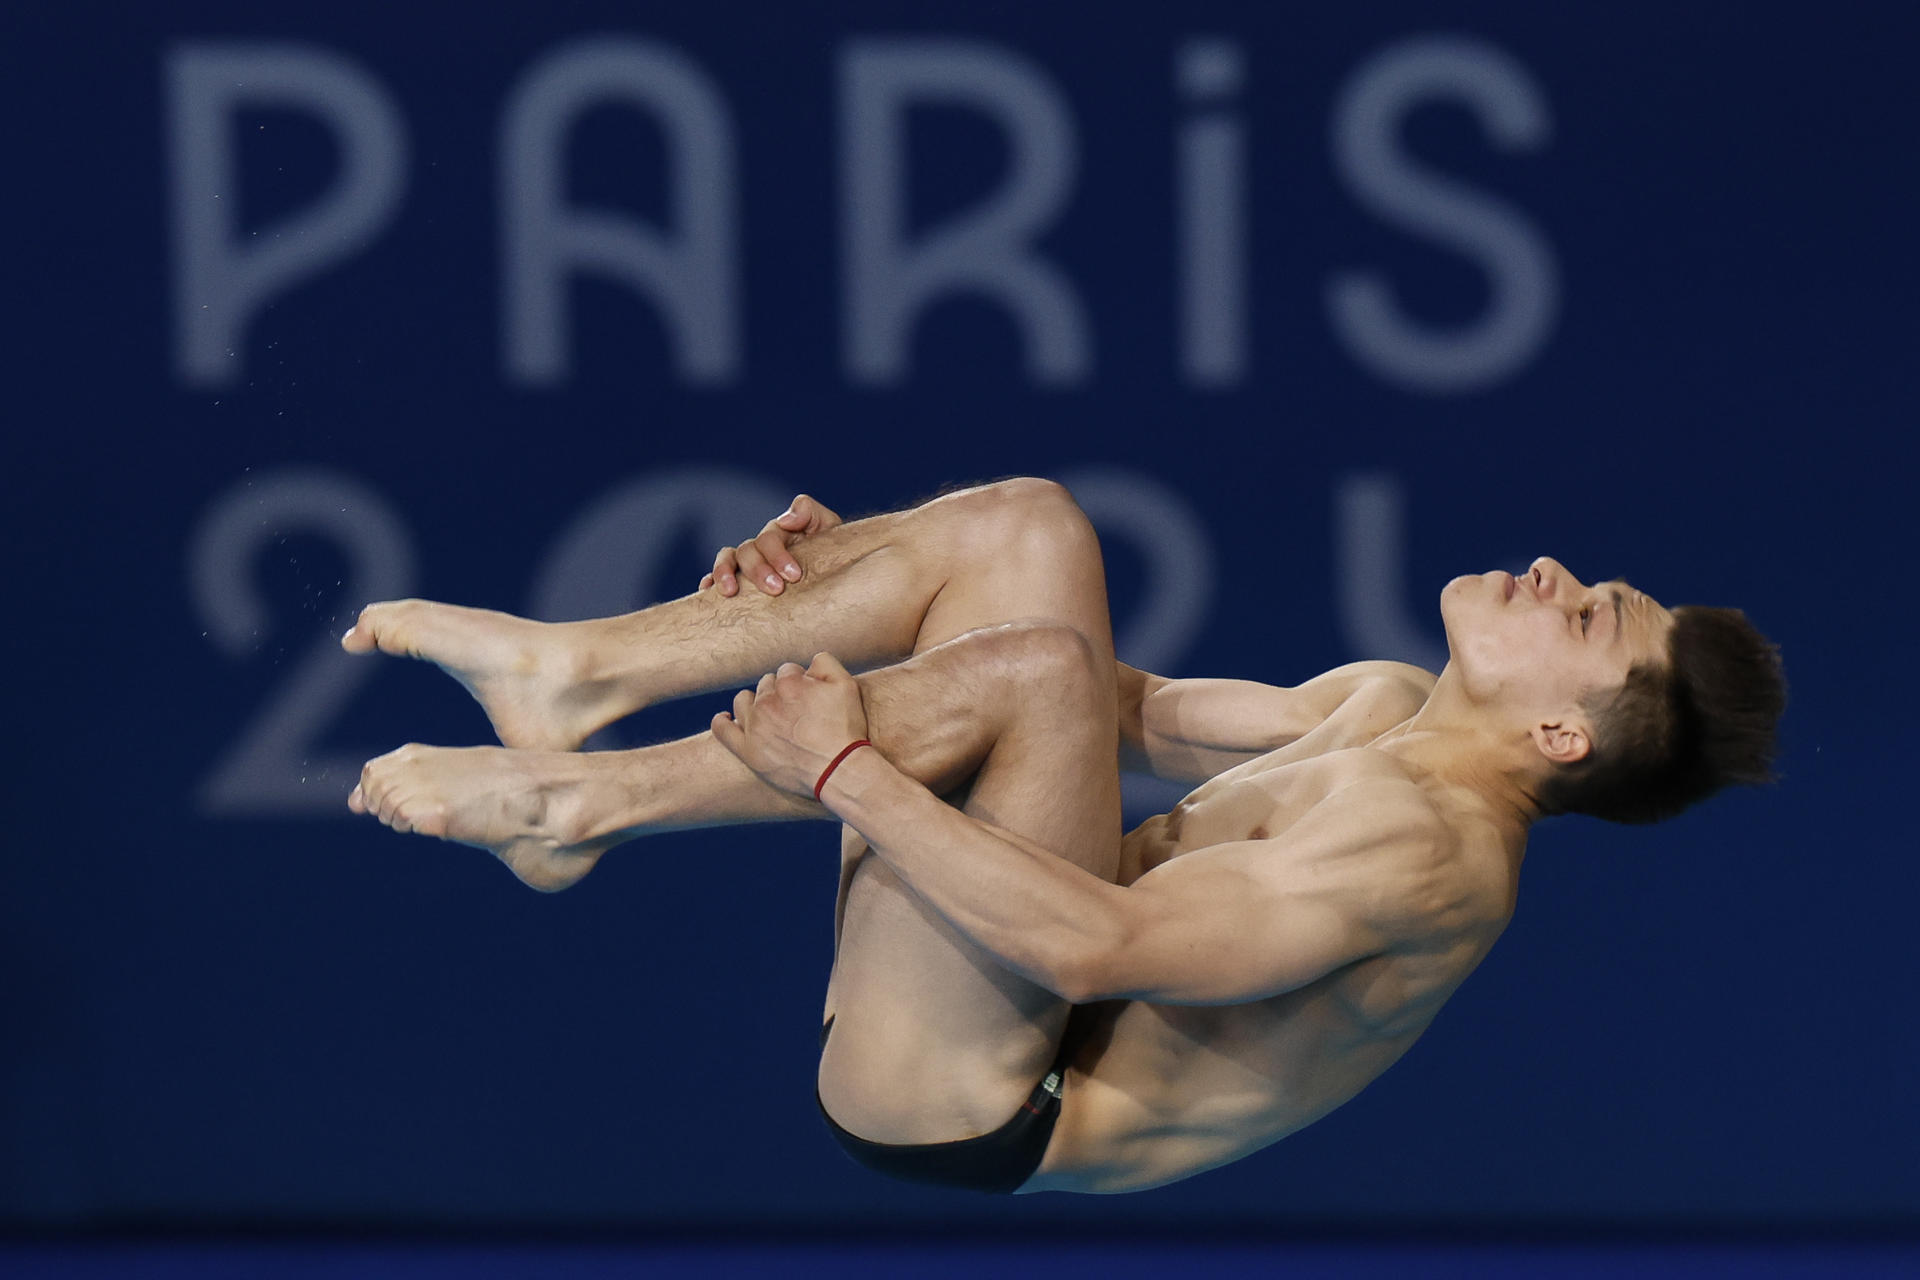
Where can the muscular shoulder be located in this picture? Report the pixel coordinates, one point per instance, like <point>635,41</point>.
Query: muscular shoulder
<point>1388,839</point>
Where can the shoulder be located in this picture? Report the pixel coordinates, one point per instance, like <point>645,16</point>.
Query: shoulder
<point>1393,690</point>
<point>1399,848</point>
<point>1393,679</point>
<point>1397,672</point>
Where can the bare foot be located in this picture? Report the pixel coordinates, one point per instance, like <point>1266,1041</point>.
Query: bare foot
<point>520,671</point>
<point>524,807</point>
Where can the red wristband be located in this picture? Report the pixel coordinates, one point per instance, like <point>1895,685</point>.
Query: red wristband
<point>845,751</point>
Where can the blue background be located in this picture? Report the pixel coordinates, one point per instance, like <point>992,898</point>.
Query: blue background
<point>215,1015</point>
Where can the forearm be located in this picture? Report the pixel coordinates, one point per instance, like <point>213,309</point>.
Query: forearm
<point>1035,912</point>
<point>1192,730</point>
<point>1134,687</point>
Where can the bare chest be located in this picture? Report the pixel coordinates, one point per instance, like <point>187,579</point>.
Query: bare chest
<point>1249,803</point>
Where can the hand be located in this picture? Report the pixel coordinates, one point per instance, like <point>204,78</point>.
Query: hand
<point>789,729</point>
<point>765,560</point>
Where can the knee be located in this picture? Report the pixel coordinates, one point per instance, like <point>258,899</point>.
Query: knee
<point>1049,665</point>
<point>1030,520</point>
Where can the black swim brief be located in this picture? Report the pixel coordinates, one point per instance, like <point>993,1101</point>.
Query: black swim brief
<point>1000,1161</point>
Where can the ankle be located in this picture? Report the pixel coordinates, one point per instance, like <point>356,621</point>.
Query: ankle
<point>577,806</point>
<point>597,663</point>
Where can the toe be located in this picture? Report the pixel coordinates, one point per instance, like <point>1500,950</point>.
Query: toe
<point>364,635</point>
<point>387,626</point>
<point>430,820</point>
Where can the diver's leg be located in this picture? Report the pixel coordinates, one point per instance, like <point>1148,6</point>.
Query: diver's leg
<point>876,591</point>
<point>549,815</point>
<point>933,1038</point>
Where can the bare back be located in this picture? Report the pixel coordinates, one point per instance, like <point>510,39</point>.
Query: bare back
<point>1158,1092</point>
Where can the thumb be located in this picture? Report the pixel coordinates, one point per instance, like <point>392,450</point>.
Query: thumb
<point>827,667</point>
<point>793,519</point>
<point>730,734</point>
<point>820,517</point>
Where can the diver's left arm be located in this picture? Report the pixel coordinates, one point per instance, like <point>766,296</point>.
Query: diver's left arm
<point>1189,730</point>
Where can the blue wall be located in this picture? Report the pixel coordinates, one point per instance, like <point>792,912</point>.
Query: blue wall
<point>1641,290</point>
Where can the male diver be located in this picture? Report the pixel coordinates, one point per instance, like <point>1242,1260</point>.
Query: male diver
<point>1022,997</point>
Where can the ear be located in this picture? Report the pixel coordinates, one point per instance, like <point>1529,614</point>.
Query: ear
<point>1562,742</point>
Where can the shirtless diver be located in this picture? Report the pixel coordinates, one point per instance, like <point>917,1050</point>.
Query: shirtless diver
<point>1143,1006</point>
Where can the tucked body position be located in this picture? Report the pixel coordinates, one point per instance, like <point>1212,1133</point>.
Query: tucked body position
<point>1023,998</point>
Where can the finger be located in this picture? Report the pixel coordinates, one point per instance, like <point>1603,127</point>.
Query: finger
<point>755,569</point>
<point>742,707</point>
<point>731,736</point>
<point>788,670</point>
<point>819,516</point>
<point>772,546</point>
<point>706,582</point>
<point>356,801</point>
<point>765,686</point>
<point>723,569</point>
<point>827,667</point>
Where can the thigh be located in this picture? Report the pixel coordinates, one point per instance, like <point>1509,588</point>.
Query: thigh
<point>933,1039</point>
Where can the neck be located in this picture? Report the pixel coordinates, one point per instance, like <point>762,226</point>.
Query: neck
<point>1465,753</point>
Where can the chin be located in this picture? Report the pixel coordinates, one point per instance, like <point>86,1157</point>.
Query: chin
<point>1458,594</point>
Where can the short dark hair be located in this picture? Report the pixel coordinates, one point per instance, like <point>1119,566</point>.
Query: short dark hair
<point>1676,732</point>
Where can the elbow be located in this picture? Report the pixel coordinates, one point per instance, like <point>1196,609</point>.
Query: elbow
<point>1086,974</point>
<point>1076,985</point>
<point>1100,959</point>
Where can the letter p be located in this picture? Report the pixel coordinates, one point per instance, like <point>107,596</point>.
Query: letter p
<point>221,278</point>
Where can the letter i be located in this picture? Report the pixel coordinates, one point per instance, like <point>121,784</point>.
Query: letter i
<point>1210,218</point>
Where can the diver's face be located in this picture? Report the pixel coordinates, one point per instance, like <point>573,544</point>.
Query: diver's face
<point>1545,641</point>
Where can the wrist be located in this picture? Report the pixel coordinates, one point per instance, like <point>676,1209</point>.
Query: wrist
<point>839,758</point>
<point>856,776</point>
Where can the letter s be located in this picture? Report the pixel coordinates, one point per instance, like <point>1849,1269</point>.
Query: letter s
<point>1521,276</point>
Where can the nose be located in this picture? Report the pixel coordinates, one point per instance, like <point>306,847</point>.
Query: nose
<point>1549,575</point>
